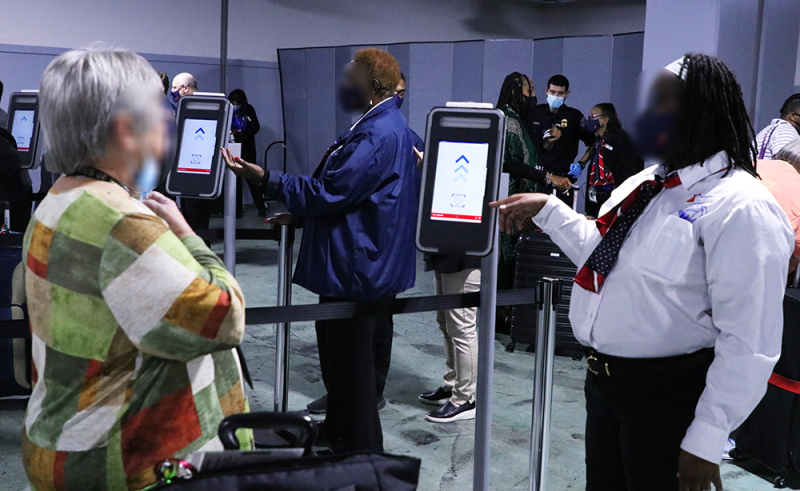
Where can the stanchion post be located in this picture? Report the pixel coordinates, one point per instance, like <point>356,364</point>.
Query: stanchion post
<point>486,330</point>
<point>282,330</point>
<point>229,223</point>
<point>543,381</point>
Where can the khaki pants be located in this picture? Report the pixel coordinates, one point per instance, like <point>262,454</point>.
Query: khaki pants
<point>460,335</point>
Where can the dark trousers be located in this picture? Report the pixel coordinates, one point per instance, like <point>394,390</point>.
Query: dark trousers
<point>634,427</point>
<point>198,212</point>
<point>382,351</point>
<point>347,360</point>
<point>255,190</point>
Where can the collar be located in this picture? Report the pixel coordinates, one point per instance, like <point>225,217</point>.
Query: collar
<point>373,111</point>
<point>695,173</point>
<point>779,121</point>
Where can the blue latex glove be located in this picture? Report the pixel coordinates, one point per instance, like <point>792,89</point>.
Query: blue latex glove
<point>575,170</point>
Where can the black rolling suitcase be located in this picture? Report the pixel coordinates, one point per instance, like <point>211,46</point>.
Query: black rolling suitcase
<point>359,471</point>
<point>538,257</point>
<point>771,434</point>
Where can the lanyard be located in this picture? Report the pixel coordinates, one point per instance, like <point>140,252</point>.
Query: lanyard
<point>98,175</point>
<point>766,140</point>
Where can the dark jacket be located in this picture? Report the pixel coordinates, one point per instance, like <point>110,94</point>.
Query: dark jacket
<point>14,180</point>
<point>247,137</point>
<point>564,151</point>
<point>360,210</point>
<point>619,157</point>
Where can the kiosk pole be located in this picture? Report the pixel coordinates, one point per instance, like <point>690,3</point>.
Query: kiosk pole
<point>543,382</point>
<point>223,48</point>
<point>229,223</point>
<point>283,329</point>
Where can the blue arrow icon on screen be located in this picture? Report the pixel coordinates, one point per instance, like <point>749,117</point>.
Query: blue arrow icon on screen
<point>461,167</point>
<point>462,158</point>
<point>200,130</point>
<point>461,176</point>
<point>24,118</point>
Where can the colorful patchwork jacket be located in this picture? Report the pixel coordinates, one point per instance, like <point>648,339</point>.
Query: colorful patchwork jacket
<point>133,331</point>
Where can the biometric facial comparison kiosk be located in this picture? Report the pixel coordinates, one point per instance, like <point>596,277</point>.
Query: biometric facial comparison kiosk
<point>204,123</point>
<point>23,124</point>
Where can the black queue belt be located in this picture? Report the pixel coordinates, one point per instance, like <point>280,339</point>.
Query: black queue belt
<point>15,329</point>
<point>405,305</point>
<point>241,234</point>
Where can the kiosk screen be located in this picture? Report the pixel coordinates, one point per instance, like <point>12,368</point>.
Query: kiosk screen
<point>199,143</point>
<point>22,129</point>
<point>460,182</point>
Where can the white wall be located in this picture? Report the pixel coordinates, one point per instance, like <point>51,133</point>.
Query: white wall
<point>259,27</point>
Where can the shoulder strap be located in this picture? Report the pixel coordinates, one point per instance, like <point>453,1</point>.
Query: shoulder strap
<point>766,141</point>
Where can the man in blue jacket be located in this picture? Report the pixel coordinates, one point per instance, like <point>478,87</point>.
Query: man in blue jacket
<point>359,214</point>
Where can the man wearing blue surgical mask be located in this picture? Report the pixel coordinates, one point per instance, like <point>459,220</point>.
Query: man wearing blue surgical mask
<point>557,129</point>
<point>182,84</point>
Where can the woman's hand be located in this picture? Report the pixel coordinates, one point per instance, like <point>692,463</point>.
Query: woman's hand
<point>561,183</point>
<point>515,209</point>
<point>167,210</point>
<point>242,168</point>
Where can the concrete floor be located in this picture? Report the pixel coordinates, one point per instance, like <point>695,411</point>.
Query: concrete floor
<point>417,365</point>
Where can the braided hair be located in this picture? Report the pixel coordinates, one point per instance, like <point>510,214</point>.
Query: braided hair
<point>715,118</point>
<point>511,94</point>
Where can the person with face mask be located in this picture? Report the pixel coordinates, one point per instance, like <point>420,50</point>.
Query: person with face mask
<point>611,160</point>
<point>132,317</point>
<point>182,84</point>
<point>780,131</point>
<point>678,298</point>
<point>359,212</point>
<point>244,127</point>
<point>557,130</point>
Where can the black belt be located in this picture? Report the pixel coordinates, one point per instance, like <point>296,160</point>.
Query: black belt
<point>607,365</point>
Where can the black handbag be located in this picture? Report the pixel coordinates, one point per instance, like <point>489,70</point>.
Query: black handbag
<point>357,471</point>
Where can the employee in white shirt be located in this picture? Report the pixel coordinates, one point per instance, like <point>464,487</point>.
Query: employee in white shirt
<point>678,299</point>
<point>781,131</point>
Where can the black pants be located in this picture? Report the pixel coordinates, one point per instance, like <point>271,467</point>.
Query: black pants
<point>198,212</point>
<point>347,360</point>
<point>635,425</point>
<point>382,351</point>
<point>255,190</point>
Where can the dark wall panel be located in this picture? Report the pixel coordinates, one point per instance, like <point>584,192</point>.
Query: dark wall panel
<point>320,113</point>
<point>293,83</point>
<point>501,58</point>
<point>548,55</point>
<point>587,65</point>
<point>468,71</point>
<point>430,81</point>
<point>626,65</point>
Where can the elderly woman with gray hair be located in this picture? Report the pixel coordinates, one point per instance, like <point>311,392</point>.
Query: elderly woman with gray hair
<point>133,318</point>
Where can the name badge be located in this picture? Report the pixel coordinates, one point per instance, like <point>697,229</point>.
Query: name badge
<point>606,145</point>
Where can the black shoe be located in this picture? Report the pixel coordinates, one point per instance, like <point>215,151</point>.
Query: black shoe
<point>320,406</point>
<point>450,412</point>
<point>262,213</point>
<point>435,398</point>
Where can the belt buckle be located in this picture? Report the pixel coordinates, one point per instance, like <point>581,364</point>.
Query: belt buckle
<point>592,358</point>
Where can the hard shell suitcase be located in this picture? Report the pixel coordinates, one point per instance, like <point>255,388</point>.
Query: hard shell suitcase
<point>359,471</point>
<point>771,434</point>
<point>539,257</point>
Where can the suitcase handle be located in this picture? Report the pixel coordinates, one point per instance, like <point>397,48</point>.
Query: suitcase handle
<point>268,421</point>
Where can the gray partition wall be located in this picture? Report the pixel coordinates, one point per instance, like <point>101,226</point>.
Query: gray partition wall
<point>21,67</point>
<point>600,69</point>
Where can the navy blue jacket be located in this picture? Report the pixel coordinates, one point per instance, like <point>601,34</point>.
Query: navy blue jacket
<point>360,211</point>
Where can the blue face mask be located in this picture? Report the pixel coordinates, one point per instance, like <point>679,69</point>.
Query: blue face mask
<point>350,99</point>
<point>176,95</point>
<point>554,101</point>
<point>655,135</point>
<point>148,176</point>
<point>398,101</point>
<point>591,125</point>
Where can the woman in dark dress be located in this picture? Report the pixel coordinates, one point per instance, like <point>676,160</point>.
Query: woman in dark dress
<point>244,128</point>
<point>612,159</point>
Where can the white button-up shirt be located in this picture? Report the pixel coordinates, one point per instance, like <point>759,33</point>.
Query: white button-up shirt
<point>705,265</point>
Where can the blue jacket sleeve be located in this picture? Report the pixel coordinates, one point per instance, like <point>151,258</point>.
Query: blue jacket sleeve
<point>352,178</point>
